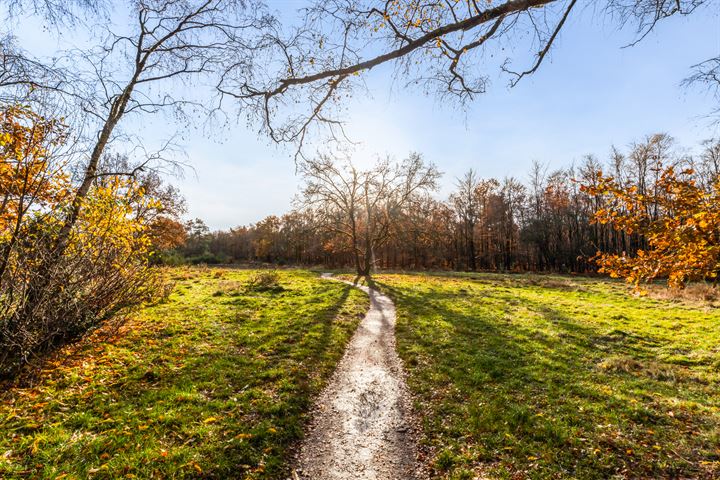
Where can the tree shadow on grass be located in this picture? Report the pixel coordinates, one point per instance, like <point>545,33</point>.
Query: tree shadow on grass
<point>534,395</point>
<point>230,397</point>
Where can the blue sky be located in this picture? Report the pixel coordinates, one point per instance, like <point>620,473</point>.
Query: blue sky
<point>590,94</point>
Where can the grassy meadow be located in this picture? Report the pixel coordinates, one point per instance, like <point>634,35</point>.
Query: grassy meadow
<point>213,383</point>
<point>522,376</point>
<point>516,376</point>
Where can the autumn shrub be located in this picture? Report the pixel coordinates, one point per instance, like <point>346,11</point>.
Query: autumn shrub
<point>46,298</point>
<point>265,281</point>
<point>679,220</point>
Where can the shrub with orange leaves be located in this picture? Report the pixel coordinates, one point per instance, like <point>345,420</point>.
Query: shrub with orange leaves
<point>679,220</point>
<point>31,179</point>
<point>105,269</point>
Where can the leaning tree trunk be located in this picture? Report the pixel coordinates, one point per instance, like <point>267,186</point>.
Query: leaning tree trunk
<point>38,285</point>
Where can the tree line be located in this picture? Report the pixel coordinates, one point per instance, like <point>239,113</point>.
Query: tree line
<point>387,216</point>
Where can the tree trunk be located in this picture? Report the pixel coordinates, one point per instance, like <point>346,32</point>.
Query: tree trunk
<point>472,265</point>
<point>37,287</point>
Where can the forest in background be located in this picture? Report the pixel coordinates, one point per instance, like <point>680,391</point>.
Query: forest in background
<point>538,221</point>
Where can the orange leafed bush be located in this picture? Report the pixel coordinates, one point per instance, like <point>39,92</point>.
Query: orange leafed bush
<point>679,220</point>
<point>30,179</point>
<point>49,296</point>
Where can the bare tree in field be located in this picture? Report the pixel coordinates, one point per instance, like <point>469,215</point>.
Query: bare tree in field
<point>361,205</point>
<point>332,193</point>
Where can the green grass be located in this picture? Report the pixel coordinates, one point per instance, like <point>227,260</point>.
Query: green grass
<point>559,377</point>
<point>514,377</point>
<point>214,383</point>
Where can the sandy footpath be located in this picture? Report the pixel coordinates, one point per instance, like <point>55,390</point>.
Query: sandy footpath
<point>361,427</point>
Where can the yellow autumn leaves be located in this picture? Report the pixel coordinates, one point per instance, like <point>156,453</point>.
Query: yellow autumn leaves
<point>36,191</point>
<point>108,217</point>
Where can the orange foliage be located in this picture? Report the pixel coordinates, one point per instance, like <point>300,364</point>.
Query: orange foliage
<point>166,233</point>
<point>29,178</point>
<point>679,220</point>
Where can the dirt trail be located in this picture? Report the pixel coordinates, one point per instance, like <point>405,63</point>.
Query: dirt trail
<point>361,427</point>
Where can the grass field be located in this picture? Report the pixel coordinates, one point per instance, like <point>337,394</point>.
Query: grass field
<point>557,377</point>
<point>515,376</point>
<point>213,383</point>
